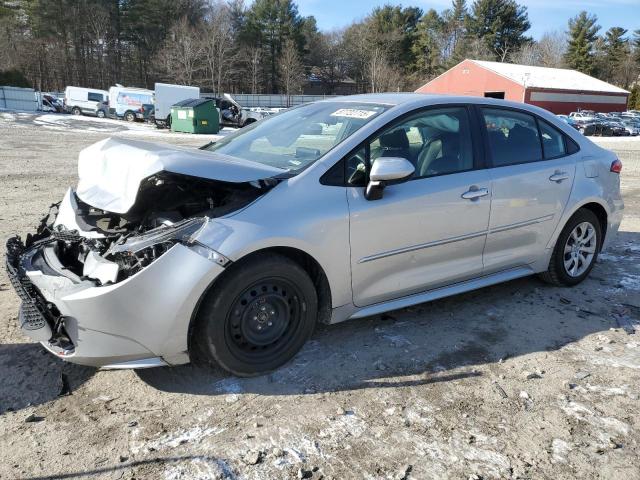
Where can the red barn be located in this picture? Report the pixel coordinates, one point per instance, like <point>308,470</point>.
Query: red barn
<point>556,89</point>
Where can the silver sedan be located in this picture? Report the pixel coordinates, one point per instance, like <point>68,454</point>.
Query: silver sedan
<point>334,210</point>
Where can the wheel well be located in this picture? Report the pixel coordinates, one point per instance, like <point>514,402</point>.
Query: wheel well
<point>599,211</point>
<point>306,261</point>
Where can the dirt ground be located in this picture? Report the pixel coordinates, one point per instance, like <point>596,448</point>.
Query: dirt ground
<point>519,380</point>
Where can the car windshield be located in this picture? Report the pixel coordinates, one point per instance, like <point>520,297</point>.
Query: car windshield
<point>294,139</point>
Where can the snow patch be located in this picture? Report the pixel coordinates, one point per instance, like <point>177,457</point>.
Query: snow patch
<point>200,468</point>
<point>559,451</point>
<point>171,440</point>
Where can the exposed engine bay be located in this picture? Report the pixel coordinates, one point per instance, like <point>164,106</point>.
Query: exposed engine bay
<point>107,248</point>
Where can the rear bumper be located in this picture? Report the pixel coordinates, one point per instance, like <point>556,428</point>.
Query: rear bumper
<point>140,322</point>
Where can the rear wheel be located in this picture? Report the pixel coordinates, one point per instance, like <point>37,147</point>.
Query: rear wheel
<point>257,317</point>
<point>576,250</point>
<point>129,116</point>
<point>76,111</point>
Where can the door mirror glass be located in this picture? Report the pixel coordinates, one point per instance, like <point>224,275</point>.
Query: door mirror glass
<point>387,170</point>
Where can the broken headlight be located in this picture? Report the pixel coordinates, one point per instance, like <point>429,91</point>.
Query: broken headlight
<point>136,252</point>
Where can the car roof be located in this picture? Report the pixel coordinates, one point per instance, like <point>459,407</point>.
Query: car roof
<point>416,100</point>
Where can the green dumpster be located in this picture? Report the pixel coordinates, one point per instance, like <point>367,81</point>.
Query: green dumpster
<point>195,115</point>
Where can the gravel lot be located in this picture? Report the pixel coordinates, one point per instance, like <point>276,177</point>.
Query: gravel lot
<point>519,380</point>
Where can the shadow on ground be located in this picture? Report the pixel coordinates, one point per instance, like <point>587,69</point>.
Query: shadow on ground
<point>434,342</point>
<point>29,375</point>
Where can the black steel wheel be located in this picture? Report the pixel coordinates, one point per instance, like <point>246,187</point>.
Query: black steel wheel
<point>256,317</point>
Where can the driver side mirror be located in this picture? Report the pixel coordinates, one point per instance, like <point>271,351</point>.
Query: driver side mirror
<point>387,170</point>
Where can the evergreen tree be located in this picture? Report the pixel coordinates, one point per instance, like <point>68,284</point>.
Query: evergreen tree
<point>615,53</point>
<point>393,29</point>
<point>583,32</point>
<point>500,25</point>
<point>427,48</point>
<point>269,24</point>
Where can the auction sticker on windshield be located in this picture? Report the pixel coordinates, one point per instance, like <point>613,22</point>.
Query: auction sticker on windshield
<point>353,113</point>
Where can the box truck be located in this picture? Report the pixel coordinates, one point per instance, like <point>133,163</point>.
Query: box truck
<point>167,95</point>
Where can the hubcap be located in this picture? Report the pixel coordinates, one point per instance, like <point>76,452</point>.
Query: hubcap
<point>262,319</point>
<point>580,249</point>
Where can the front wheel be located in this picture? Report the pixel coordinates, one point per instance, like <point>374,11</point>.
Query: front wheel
<point>257,316</point>
<point>100,114</point>
<point>576,250</point>
<point>129,116</point>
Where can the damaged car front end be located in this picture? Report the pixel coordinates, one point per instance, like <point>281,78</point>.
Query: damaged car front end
<point>115,270</point>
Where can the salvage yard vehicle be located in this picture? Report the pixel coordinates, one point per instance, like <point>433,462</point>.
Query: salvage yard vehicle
<point>334,210</point>
<point>84,101</point>
<point>232,114</point>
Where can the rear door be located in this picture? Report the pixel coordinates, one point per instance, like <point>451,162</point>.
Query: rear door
<point>532,172</point>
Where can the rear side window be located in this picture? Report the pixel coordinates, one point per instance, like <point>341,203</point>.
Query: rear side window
<point>513,137</point>
<point>553,143</point>
<point>94,97</point>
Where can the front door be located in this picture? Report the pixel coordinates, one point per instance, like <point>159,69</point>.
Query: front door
<point>429,231</point>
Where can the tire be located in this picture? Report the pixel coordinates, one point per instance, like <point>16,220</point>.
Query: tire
<point>256,317</point>
<point>100,114</point>
<point>76,111</point>
<point>129,116</point>
<point>568,253</point>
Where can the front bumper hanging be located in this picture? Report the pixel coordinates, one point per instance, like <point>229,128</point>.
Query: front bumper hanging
<point>38,318</point>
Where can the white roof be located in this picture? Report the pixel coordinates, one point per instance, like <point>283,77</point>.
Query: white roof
<point>551,78</point>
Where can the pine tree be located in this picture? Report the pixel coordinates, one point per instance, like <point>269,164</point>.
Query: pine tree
<point>583,32</point>
<point>427,47</point>
<point>500,25</point>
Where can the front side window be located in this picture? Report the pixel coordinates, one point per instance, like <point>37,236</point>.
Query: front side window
<point>513,137</point>
<point>94,97</point>
<point>435,141</point>
<point>296,138</point>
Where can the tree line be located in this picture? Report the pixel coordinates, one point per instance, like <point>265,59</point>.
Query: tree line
<point>269,47</point>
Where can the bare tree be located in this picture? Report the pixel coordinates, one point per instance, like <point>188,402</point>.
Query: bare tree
<point>254,68</point>
<point>331,69</point>
<point>552,47</point>
<point>376,67</point>
<point>97,24</point>
<point>218,43</point>
<point>291,69</point>
<point>181,57</point>
<point>529,54</point>
<point>382,75</point>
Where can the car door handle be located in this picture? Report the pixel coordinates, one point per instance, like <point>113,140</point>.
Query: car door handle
<point>475,193</point>
<point>559,176</point>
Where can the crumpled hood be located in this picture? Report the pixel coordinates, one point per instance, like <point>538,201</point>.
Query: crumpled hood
<point>111,170</point>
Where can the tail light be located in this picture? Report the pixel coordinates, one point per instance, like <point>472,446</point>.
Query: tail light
<point>616,166</point>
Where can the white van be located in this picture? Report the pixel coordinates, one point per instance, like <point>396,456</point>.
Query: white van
<point>129,102</point>
<point>87,101</point>
<point>168,95</point>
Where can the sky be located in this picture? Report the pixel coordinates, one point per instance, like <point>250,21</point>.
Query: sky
<point>544,15</point>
